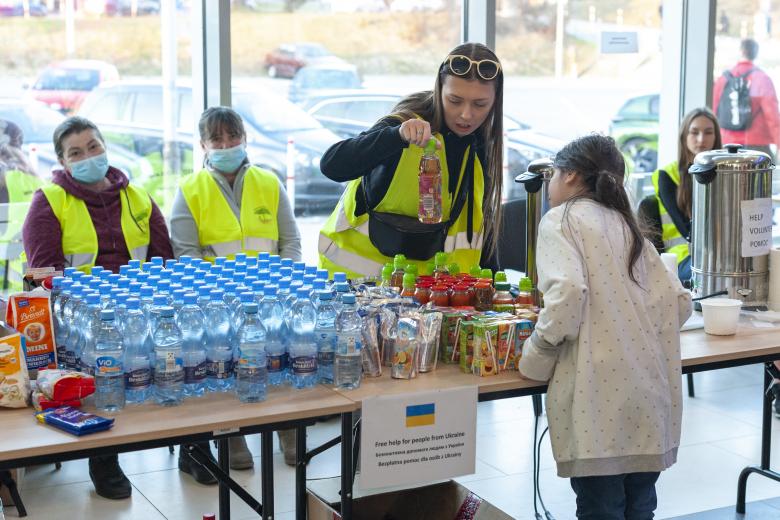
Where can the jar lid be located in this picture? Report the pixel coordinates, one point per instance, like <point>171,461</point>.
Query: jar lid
<point>733,158</point>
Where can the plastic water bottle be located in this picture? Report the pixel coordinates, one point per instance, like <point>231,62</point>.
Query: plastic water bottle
<point>348,359</point>
<point>219,343</point>
<point>138,353</point>
<point>158,302</point>
<point>60,295</point>
<point>303,347</point>
<point>325,336</point>
<point>190,320</point>
<point>109,371</point>
<point>85,353</point>
<point>272,315</point>
<point>147,298</point>
<point>204,296</point>
<point>70,313</point>
<point>168,365</point>
<point>252,371</point>
<point>339,290</point>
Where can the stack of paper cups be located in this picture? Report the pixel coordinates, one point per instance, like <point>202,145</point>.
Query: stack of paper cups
<point>774,279</point>
<point>670,261</point>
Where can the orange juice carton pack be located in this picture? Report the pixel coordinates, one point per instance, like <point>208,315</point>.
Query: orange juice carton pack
<point>485,360</point>
<point>30,314</point>
<point>524,328</point>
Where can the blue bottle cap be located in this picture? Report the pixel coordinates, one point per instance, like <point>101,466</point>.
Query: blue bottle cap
<point>107,315</point>
<point>230,264</point>
<point>123,269</point>
<point>69,271</point>
<point>96,270</point>
<point>204,290</point>
<point>270,290</point>
<point>339,277</point>
<point>310,269</point>
<point>319,285</point>
<point>93,298</point>
<point>134,264</point>
<point>159,300</point>
<point>287,262</point>
<point>166,312</point>
<point>240,258</point>
<point>157,260</point>
<point>299,266</point>
<point>230,287</point>
<point>324,295</point>
<point>164,286</point>
<point>217,295</point>
<point>258,286</point>
<point>303,292</point>
<point>190,298</point>
<point>322,274</point>
<point>348,298</point>
<point>56,282</point>
<point>247,297</point>
<point>147,291</point>
<point>250,308</point>
<point>133,304</point>
<point>263,255</point>
<point>155,270</point>
<point>220,260</point>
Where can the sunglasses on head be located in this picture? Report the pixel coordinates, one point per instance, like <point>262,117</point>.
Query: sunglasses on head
<point>461,65</point>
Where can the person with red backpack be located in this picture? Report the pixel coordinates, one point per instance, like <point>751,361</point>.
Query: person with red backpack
<point>745,102</point>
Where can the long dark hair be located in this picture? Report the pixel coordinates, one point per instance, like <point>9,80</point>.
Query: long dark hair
<point>597,160</point>
<point>429,106</point>
<point>685,157</point>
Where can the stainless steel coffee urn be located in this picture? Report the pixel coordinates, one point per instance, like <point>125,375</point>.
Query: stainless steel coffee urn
<point>731,231</point>
<point>536,182</point>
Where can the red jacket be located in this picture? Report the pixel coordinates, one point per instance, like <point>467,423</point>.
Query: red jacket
<point>765,128</point>
<point>42,235</point>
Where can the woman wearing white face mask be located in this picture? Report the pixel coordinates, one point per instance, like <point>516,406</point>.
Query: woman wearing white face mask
<point>90,215</point>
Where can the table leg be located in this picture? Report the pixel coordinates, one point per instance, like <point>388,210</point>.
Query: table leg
<point>223,457</point>
<point>267,473</point>
<point>300,473</point>
<point>346,466</point>
<point>766,446</point>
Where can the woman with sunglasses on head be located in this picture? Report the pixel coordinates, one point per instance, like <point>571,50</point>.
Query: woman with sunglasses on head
<point>377,214</point>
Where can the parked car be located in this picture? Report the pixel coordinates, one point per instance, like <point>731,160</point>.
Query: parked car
<point>125,7</point>
<point>63,85</point>
<point>16,8</point>
<point>349,112</point>
<point>635,130</point>
<point>323,76</point>
<point>285,60</point>
<point>130,115</point>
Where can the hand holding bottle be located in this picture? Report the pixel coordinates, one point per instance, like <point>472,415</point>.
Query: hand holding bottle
<point>418,132</point>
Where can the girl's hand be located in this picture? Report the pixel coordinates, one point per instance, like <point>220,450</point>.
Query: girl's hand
<point>417,132</point>
<point>531,380</point>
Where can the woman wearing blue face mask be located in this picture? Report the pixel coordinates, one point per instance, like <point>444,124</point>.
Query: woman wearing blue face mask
<point>90,215</point>
<point>230,207</point>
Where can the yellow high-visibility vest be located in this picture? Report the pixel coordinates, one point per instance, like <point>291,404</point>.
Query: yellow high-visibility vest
<point>673,240</point>
<point>344,244</point>
<point>218,228</point>
<point>79,238</point>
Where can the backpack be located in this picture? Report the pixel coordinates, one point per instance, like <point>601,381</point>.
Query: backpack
<point>734,110</point>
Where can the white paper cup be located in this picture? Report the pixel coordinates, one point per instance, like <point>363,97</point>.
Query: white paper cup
<point>720,315</point>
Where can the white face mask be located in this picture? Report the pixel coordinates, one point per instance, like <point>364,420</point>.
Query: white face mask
<point>90,170</point>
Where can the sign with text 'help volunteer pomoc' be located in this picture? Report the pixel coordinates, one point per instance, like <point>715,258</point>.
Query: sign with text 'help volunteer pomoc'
<point>418,437</point>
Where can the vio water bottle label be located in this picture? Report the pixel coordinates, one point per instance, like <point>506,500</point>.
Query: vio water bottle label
<point>107,365</point>
<point>195,374</point>
<point>220,369</point>
<point>304,364</point>
<point>138,379</point>
<point>277,363</point>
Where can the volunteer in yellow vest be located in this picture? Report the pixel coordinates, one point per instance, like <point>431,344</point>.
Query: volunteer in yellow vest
<point>18,182</point>
<point>464,113</point>
<point>231,206</point>
<point>699,132</point>
<point>89,215</point>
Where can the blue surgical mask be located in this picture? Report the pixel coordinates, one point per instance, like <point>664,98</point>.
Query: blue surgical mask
<point>227,160</point>
<point>90,170</point>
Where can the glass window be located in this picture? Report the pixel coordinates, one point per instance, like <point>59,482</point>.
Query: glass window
<point>107,107</point>
<point>147,108</point>
<point>334,47</point>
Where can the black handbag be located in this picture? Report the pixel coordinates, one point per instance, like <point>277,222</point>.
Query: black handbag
<point>394,234</point>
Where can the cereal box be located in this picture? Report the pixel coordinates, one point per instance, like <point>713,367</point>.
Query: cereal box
<point>30,314</point>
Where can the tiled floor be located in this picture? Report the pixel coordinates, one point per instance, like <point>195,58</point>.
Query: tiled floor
<point>721,435</point>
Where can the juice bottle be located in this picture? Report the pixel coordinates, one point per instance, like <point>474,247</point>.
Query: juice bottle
<point>440,262</point>
<point>387,274</point>
<point>422,293</point>
<point>397,278</point>
<point>475,271</point>
<point>461,295</point>
<point>502,299</point>
<point>454,269</point>
<point>483,294</point>
<point>430,206</point>
<point>526,296</point>
<point>408,283</point>
<point>412,268</point>
<point>499,277</point>
<point>486,273</point>
<point>440,296</point>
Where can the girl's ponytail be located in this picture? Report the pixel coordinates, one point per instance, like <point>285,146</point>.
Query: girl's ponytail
<point>597,160</point>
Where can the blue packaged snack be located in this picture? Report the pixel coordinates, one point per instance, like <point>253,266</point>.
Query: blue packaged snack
<point>74,421</point>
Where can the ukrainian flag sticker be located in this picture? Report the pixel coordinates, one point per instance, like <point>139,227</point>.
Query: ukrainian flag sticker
<point>420,415</point>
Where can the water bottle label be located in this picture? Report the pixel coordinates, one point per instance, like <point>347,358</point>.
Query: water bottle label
<point>277,363</point>
<point>87,369</point>
<point>220,369</point>
<point>138,379</point>
<point>108,365</point>
<point>351,344</point>
<point>195,374</point>
<point>171,361</point>
<point>304,364</point>
<point>325,357</point>
<point>166,378</point>
<point>70,359</point>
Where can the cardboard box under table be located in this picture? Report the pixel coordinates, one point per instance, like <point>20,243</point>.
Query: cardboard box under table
<point>445,500</point>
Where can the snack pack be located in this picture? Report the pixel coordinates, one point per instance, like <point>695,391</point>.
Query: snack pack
<point>30,314</point>
<point>14,380</point>
<point>74,421</point>
<point>64,385</point>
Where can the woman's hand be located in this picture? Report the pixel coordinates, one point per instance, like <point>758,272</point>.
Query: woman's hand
<point>416,131</point>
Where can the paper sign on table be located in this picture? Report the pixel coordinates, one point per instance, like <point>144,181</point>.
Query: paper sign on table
<point>418,437</point>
